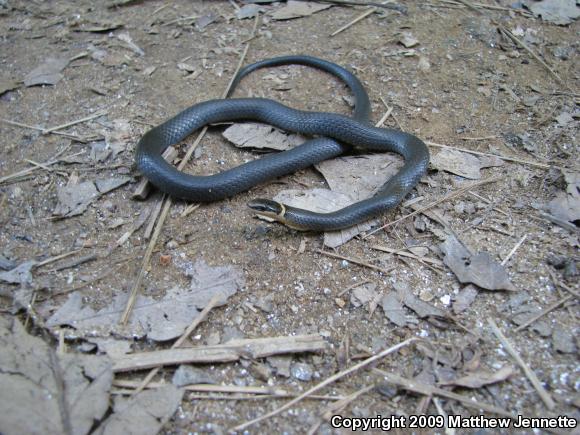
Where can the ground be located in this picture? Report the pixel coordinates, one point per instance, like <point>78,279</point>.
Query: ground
<point>463,84</point>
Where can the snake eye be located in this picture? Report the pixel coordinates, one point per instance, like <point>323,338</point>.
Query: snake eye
<point>266,206</point>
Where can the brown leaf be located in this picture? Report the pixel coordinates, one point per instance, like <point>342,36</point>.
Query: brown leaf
<point>159,319</point>
<point>44,392</point>
<point>298,9</point>
<point>479,269</point>
<point>481,378</point>
<point>256,135</point>
<point>47,73</point>
<point>142,414</point>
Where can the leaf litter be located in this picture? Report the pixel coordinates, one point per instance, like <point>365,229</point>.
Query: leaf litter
<point>159,320</point>
<point>47,73</point>
<point>144,413</point>
<point>463,164</point>
<point>259,136</point>
<point>42,391</point>
<point>297,9</point>
<point>479,269</point>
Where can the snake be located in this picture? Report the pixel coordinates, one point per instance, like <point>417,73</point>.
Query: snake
<point>333,134</point>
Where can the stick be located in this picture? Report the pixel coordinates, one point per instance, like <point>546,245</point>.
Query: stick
<point>362,16</point>
<point>514,249</point>
<point>544,312</point>
<point>326,382</point>
<point>451,195</point>
<point>434,261</point>
<point>510,35</point>
<point>356,261</point>
<point>479,153</point>
<point>231,351</point>
<point>527,370</point>
<point>427,390</point>
<point>71,123</point>
<point>212,303</point>
<point>168,202</point>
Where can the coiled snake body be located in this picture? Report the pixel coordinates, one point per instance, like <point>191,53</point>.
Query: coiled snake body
<point>337,134</point>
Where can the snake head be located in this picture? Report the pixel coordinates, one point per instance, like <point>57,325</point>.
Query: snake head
<point>268,208</point>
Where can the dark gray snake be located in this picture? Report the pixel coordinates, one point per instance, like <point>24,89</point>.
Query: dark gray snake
<point>345,131</point>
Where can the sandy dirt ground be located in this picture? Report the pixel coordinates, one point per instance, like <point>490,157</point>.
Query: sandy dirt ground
<point>450,75</point>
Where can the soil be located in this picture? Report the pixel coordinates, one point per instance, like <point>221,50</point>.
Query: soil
<point>465,85</point>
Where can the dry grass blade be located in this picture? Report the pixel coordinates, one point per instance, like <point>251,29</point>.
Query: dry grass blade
<point>362,16</point>
<point>355,261</point>
<point>230,351</point>
<point>212,303</point>
<point>545,311</point>
<point>324,383</point>
<point>447,197</point>
<point>168,202</point>
<point>544,395</point>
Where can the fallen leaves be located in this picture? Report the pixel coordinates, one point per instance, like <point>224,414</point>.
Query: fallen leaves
<point>45,392</point>
<point>298,9</point>
<point>463,164</point>
<point>566,205</point>
<point>159,320</point>
<point>479,269</point>
<point>144,413</point>
<point>481,378</point>
<point>259,136</point>
<point>561,12</point>
<point>47,73</point>
<point>74,199</point>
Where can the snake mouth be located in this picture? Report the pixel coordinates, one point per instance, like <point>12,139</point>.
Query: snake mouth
<point>267,207</point>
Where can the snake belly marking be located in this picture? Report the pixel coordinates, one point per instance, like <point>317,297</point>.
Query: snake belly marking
<point>336,134</point>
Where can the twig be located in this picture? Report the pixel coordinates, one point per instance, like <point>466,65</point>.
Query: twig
<point>336,407</point>
<point>326,382</point>
<point>427,390</point>
<point>71,123</point>
<point>434,261</point>
<point>168,202</point>
<point>544,312</point>
<point>231,351</point>
<point>362,16</point>
<point>350,287</point>
<point>230,390</point>
<point>57,257</point>
<point>356,261</point>
<point>177,20</point>
<point>200,318</point>
<point>479,153</point>
<point>514,249</point>
<point>522,44</point>
<point>544,395</point>
<point>447,197</point>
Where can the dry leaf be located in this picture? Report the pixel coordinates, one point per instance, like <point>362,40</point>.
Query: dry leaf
<point>47,393</point>
<point>566,205</point>
<point>323,201</point>
<point>142,414</point>
<point>21,274</point>
<point>298,9</point>
<point>464,299</point>
<point>459,163</point>
<point>363,295</point>
<point>75,199</point>
<point>7,85</point>
<point>481,378</point>
<point>479,269</point>
<point>160,320</point>
<point>422,308</point>
<point>360,177</point>
<point>559,12</point>
<point>47,73</point>
<point>256,135</point>
<point>408,40</point>
<point>394,310</point>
